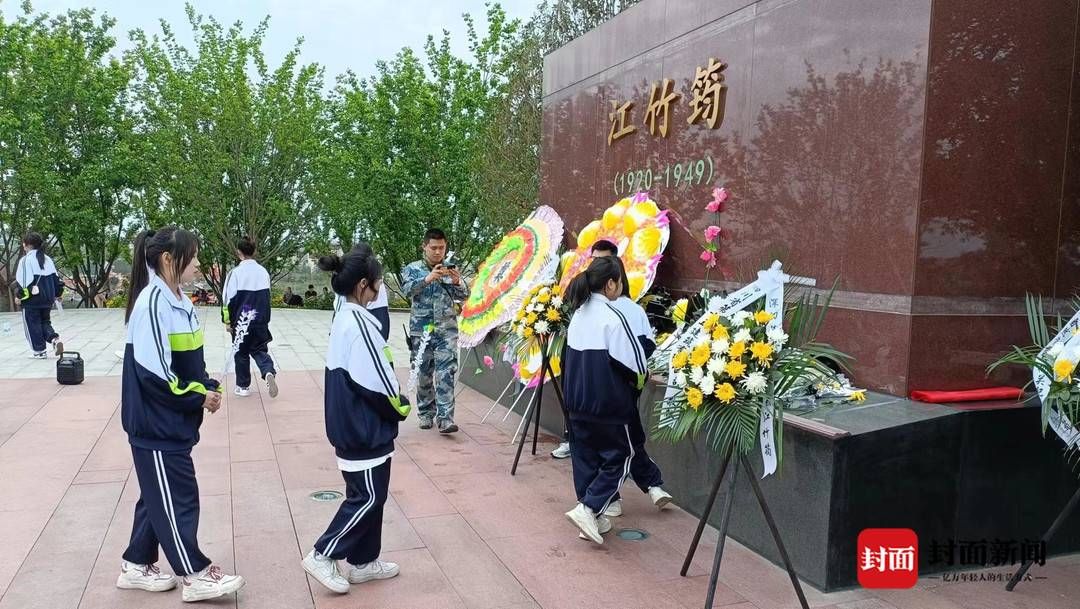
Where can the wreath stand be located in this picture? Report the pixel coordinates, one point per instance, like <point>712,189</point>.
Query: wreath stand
<point>1060,520</point>
<point>545,373</point>
<point>725,519</point>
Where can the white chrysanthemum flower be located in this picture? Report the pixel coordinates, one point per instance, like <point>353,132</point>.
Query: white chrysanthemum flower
<point>742,336</point>
<point>542,326</point>
<point>696,374</point>
<point>720,346</point>
<point>754,383</point>
<point>1056,350</point>
<point>716,364</point>
<point>777,337</point>
<point>707,385</point>
<point>556,301</point>
<point>545,290</point>
<point>715,302</point>
<point>740,318</point>
<point>680,379</point>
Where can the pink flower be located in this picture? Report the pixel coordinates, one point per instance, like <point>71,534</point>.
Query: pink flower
<point>640,197</point>
<point>712,232</point>
<point>490,363</point>
<point>708,258</point>
<point>720,195</point>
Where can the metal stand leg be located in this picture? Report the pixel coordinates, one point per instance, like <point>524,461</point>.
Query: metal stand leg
<point>496,402</point>
<point>1060,520</point>
<point>775,533</point>
<point>536,413</point>
<point>725,519</point>
<point>705,515</point>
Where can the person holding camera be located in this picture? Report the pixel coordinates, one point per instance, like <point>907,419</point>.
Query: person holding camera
<point>435,287</point>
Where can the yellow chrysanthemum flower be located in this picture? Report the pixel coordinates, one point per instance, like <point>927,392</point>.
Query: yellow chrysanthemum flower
<point>725,392</point>
<point>736,350</point>
<point>763,317</point>
<point>701,354</point>
<point>858,395</point>
<point>694,397</point>
<point>528,333</point>
<point>761,352</point>
<point>1063,370</point>
<point>553,315</point>
<point>735,369</point>
<point>710,321</point>
<point>678,314</point>
<point>679,359</point>
<point>530,318</point>
<point>719,332</point>
<point>520,315</point>
<point>556,289</point>
<point>544,297</point>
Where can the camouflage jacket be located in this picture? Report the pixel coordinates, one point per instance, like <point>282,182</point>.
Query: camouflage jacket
<point>431,303</point>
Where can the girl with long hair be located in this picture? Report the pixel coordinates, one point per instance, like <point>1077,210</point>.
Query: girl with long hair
<point>39,287</point>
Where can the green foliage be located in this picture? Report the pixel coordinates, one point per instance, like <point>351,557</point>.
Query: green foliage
<point>229,142</point>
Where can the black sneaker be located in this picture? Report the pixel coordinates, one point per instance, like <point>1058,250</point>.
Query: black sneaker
<point>425,422</point>
<point>447,426</point>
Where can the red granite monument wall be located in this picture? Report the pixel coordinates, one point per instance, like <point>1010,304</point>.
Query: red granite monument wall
<point>920,151</point>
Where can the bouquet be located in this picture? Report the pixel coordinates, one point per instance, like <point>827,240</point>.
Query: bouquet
<point>731,373</point>
<point>1053,364</point>
<point>540,322</point>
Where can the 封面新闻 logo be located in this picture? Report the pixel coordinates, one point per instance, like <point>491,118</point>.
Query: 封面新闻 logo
<point>888,558</point>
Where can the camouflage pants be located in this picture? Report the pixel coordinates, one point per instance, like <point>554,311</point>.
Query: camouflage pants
<point>438,369</point>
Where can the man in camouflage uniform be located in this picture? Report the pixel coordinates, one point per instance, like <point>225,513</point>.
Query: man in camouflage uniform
<point>433,288</point>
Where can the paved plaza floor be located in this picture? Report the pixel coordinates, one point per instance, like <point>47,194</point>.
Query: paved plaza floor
<point>466,533</point>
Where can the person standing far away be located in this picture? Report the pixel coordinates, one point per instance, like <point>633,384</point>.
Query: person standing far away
<point>247,288</point>
<point>435,288</point>
<point>164,390</point>
<point>39,288</point>
<point>363,407</point>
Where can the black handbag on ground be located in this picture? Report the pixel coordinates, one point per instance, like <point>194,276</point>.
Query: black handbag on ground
<point>69,368</point>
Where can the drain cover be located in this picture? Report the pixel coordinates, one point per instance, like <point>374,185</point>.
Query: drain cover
<point>325,495</point>
<point>633,534</point>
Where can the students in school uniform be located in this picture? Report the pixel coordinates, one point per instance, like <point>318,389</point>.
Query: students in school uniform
<point>604,368</point>
<point>39,287</point>
<point>164,391</point>
<point>643,470</point>
<point>363,407</point>
<point>247,288</point>
<point>379,308</point>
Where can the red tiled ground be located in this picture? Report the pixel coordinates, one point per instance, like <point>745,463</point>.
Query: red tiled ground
<point>467,535</point>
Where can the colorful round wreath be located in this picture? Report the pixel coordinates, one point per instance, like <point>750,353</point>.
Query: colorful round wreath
<point>524,257</point>
<point>638,228</point>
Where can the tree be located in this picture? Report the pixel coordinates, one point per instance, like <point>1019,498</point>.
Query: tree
<point>229,143</point>
<point>70,170</point>
<point>404,152</point>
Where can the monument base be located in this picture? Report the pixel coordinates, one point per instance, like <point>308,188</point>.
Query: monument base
<point>956,476</point>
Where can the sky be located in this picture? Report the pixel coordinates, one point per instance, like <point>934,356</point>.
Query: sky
<point>338,34</point>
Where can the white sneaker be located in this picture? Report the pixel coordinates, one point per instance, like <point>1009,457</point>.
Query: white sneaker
<point>585,519</point>
<point>325,571</point>
<point>210,583</point>
<point>58,347</point>
<point>562,451</point>
<point>659,496</point>
<point>144,577</point>
<point>271,385</point>
<point>41,355</point>
<point>242,392</point>
<point>603,524</point>
<point>376,569</point>
<point>614,509</point>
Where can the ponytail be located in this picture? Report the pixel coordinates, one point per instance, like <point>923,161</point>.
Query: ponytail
<point>149,246</point>
<point>593,279</point>
<point>140,275</point>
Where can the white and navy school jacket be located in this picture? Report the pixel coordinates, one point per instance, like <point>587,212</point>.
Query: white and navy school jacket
<point>30,275</point>
<point>363,401</point>
<point>382,301</point>
<point>164,381</point>
<point>603,365</point>
<point>639,323</point>
<point>247,287</point>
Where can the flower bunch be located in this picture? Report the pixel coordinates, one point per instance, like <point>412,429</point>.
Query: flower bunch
<point>730,360</point>
<point>542,314</point>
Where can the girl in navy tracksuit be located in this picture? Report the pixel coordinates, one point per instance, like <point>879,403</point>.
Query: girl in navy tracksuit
<point>603,371</point>
<point>39,288</point>
<point>363,406</point>
<point>164,390</point>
